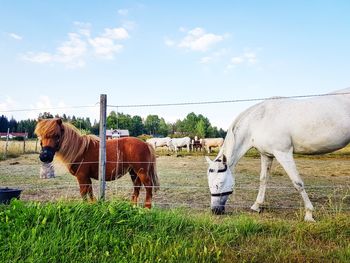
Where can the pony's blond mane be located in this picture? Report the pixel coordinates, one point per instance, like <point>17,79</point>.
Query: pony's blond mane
<point>73,144</point>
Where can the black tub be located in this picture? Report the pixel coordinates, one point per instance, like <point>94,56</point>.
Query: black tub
<point>6,194</point>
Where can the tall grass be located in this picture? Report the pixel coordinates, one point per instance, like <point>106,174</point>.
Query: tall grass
<point>15,148</point>
<point>118,232</point>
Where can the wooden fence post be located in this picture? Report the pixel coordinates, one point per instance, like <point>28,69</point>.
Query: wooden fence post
<point>36,145</point>
<point>24,144</point>
<point>102,151</point>
<point>7,141</point>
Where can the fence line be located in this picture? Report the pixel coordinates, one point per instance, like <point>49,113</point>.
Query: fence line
<point>240,187</point>
<point>225,101</point>
<point>181,103</point>
<point>52,108</point>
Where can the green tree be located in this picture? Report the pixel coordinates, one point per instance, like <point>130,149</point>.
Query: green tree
<point>27,126</point>
<point>4,123</point>
<point>200,129</point>
<point>119,121</point>
<point>45,115</point>
<point>163,127</point>
<point>152,123</point>
<point>13,125</point>
<point>137,126</point>
<point>189,123</point>
<point>112,120</point>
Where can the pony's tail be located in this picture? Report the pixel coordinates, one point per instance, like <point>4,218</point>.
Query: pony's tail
<point>153,168</point>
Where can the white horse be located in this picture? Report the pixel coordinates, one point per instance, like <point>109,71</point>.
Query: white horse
<point>277,128</point>
<point>158,142</point>
<point>208,143</point>
<point>175,143</point>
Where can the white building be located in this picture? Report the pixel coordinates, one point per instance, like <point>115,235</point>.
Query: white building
<point>116,133</point>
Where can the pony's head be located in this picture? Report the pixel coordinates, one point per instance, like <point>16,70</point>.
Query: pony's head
<point>220,182</point>
<point>49,132</point>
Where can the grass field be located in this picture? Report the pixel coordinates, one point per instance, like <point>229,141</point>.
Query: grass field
<point>117,232</point>
<point>180,228</point>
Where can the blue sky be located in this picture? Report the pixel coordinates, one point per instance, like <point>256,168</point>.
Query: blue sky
<point>60,53</point>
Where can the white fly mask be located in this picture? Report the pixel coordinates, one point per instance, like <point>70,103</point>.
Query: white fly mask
<point>221,183</point>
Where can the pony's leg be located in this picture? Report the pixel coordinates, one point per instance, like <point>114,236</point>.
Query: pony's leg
<point>85,185</point>
<point>266,163</point>
<point>147,182</point>
<point>288,164</point>
<point>137,186</point>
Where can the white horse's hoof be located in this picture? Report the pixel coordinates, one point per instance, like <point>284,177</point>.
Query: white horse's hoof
<point>256,208</point>
<point>309,219</point>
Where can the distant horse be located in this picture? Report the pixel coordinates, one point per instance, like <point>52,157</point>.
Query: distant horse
<point>176,143</point>
<point>158,142</point>
<point>80,154</point>
<point>278,128</point>
<point>208,143</point>
<point>196,145</point>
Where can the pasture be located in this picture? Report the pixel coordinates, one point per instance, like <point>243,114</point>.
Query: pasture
<point>180,227</point>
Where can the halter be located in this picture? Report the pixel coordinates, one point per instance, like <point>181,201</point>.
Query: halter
<point>221,171</point>
<point>222,194</point>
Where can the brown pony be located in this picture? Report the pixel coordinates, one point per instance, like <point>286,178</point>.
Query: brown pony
<point>80,154</point>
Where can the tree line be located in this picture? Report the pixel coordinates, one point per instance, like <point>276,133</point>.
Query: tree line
<point>153,125</point>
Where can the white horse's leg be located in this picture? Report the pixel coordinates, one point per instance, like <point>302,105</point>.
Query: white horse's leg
<point>266,163</point>
<point>288,164</point>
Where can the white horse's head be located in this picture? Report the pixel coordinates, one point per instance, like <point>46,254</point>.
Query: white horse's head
<point>170,144</point>
<point>220,182</point>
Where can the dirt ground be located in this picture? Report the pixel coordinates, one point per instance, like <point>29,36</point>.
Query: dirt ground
<point>184,184</point>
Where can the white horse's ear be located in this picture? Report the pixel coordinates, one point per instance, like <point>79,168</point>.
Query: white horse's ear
<point>208,159</point>
<point>224,160</point>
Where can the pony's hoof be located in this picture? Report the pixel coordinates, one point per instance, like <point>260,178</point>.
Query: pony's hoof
<point>255,208</point>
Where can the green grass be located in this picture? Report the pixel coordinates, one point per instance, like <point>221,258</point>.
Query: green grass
<point>118,232</point>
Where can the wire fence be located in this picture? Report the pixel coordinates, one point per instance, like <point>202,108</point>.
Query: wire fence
<point>183,180</point>
<point>188,103</point>
<point>184,185</point>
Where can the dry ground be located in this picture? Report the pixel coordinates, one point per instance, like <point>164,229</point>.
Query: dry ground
<point>184,184</point>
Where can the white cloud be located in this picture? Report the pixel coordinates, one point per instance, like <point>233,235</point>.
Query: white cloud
<point>123,12</point>
<point>105,47</point>
<point>73,49</point>
<point>44,102</point>
<point>8,104</point>
<point>73,52</point>
<point>237,60</point>
<point>169,42</point>
<point>197,39</point>
<point>250,57</point>
<point>15,36</point>
<point>117,33</point>
<point>214,56</point>
<point>205,60</point>
<point>129,25</point>
<point>38,57</point>
<point>84,29</point>
<point>247,58</point>
<point>182,29</point>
